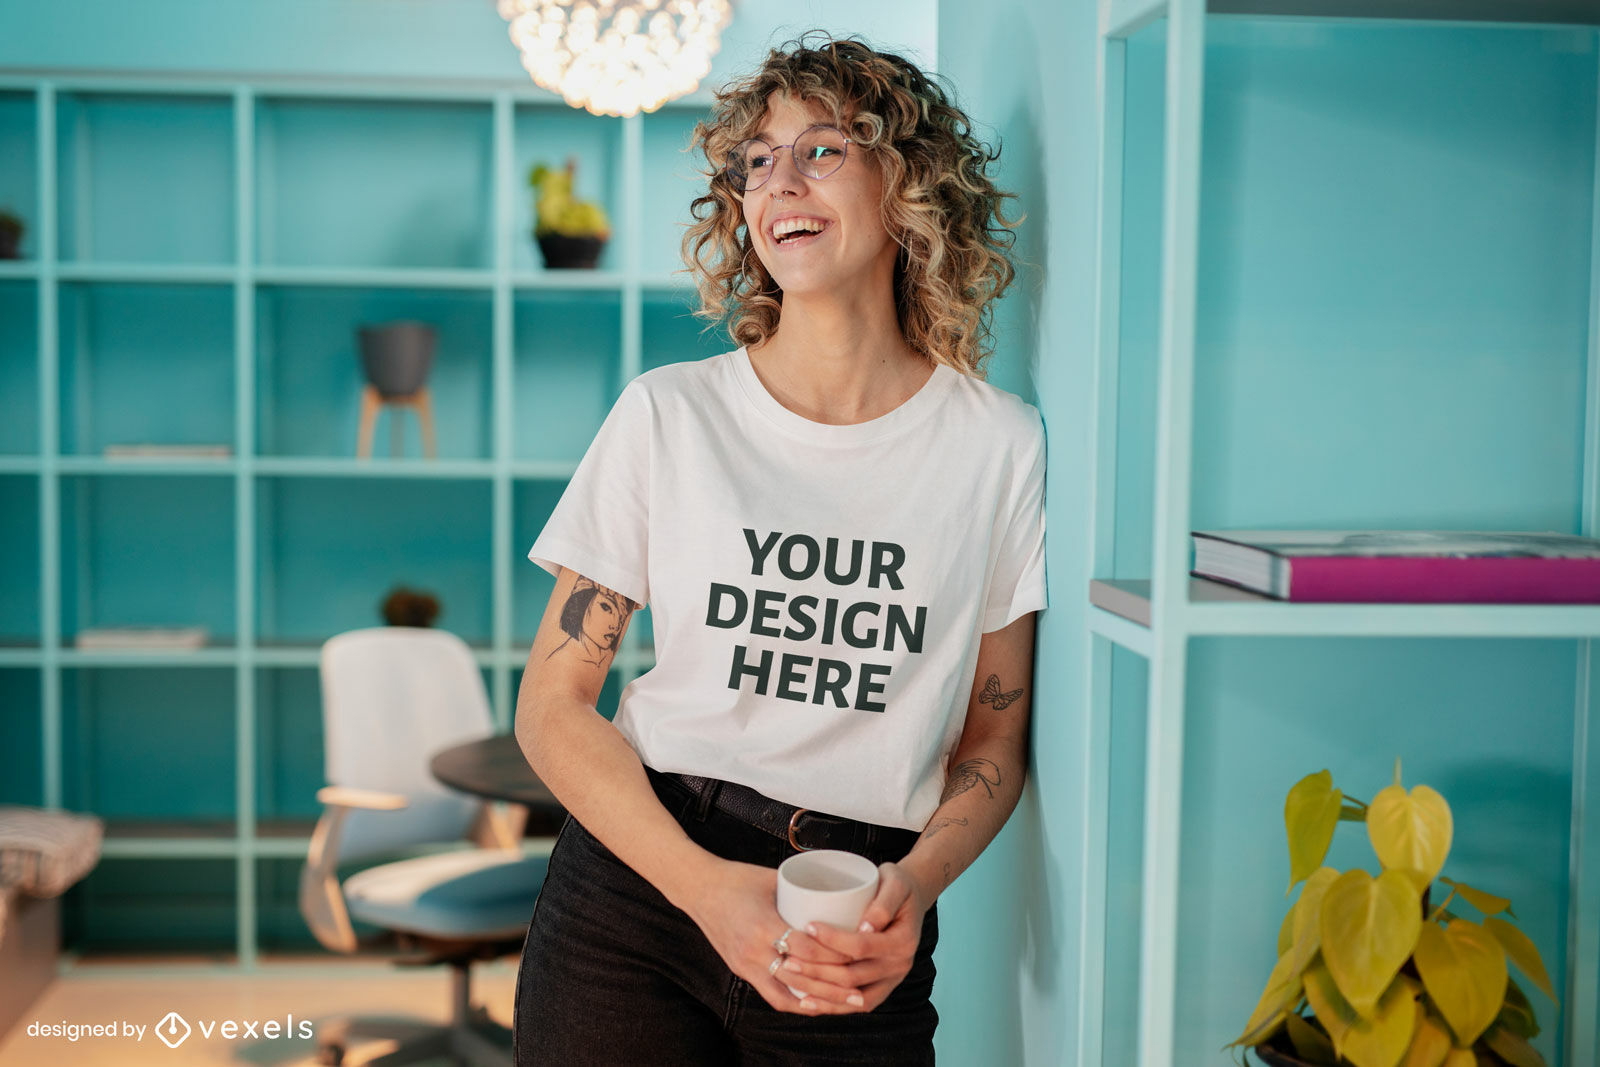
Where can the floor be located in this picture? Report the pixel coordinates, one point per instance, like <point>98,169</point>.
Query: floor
<point>284,1001</point>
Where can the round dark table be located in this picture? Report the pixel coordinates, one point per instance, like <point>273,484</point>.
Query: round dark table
<point>495,768</point>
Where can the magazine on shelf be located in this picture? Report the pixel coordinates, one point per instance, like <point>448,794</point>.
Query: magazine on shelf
<point>147,451</point>
<point>1403,566</point>
<point>138,638</point>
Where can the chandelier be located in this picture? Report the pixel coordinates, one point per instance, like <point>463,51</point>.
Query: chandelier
<point>617,57</point>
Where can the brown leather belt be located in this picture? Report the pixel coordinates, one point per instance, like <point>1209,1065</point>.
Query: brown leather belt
<point>801,828</point>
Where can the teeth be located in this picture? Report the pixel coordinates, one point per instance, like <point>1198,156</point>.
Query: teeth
<point>784,227</point>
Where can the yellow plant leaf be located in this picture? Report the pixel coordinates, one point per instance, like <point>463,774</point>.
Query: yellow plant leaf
<point>1460,1057</point>
<point>1310,1044</point>
<point>1277,1000</point>
<point>1410,831</point>
<point>1523,953</point>
<point>1464,970</point>
<point>1487,903</point>
<point>1429,1045</point>
<point>1332,1010</point>
<point>1369,927</point>
<point>1381,1040</point>
<point>1310,814</point>
<point>1286,931</point>
<point>1308,909</point>
<point>1513,1049</point>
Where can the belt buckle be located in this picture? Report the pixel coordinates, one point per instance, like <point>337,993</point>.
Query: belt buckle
<point>793,842</point>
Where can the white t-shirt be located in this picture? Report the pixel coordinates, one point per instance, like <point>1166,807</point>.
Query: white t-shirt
<point>817,592</point>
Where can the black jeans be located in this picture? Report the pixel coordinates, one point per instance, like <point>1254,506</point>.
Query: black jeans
<point>612,974</point>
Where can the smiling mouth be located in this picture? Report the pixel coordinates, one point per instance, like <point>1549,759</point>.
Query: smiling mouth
<point>796,231</point>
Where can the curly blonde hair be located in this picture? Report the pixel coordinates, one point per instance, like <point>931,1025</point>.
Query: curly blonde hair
<point>939,203</point>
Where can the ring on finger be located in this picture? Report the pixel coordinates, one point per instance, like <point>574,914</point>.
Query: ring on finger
<point>782,943</point>
<point>772,968</point>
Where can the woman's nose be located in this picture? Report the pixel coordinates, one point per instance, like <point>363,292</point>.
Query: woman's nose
<point>786,177</point>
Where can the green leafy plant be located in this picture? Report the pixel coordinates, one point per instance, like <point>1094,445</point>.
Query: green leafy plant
<point>559,211</point>
<point>1389,980</point>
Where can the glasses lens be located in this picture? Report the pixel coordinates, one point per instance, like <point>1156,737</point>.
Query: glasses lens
<point>749,164</point>
<point>819,151</point>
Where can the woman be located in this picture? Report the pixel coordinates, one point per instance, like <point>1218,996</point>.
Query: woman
<point>839,527</point>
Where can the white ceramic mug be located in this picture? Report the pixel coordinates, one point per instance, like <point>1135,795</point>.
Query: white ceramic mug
<point>825,886</point>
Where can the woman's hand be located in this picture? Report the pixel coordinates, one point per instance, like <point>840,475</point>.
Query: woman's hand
<point>737,911</point>
<point>879,954</point>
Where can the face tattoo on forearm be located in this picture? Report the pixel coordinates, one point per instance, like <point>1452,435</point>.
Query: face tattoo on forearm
<point>593,619</point>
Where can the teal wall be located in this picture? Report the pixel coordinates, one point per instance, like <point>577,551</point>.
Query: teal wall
<point>1008,981</point>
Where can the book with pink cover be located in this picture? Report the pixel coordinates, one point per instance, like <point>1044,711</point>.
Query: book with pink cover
<point>1403,566</point>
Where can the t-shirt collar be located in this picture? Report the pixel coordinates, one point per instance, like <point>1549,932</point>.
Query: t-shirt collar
<point>913,410</point>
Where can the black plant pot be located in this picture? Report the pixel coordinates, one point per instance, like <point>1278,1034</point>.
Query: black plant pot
<point>1272,1056</point>
<point>397,356</point>
<point>566,253</point>
<point>10,243</point>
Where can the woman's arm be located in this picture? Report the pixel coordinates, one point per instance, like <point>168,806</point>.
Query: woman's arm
<point>596,775</point>
<point>987,770</point>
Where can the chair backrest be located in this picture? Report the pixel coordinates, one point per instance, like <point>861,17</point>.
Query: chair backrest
<point>392,696</point>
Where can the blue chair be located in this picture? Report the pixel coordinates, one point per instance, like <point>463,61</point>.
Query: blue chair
<point>391,697</point>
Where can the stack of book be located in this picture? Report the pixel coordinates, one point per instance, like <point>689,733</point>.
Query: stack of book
<point>1403,566</point>
<point>142,638</point>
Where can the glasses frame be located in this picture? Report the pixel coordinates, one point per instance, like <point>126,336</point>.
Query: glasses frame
<point>745,189</point>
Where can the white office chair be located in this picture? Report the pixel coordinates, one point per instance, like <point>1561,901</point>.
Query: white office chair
<point>391,697</point>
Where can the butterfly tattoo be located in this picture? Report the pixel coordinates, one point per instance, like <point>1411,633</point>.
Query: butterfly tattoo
<point>992,695</point>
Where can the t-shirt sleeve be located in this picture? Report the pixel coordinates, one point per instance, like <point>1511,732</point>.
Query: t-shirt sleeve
<point>1018,583</point>
<point>600,527</point>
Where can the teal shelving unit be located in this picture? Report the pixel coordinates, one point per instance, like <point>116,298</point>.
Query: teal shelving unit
<point>199,256</point>
<point>1348,261</point>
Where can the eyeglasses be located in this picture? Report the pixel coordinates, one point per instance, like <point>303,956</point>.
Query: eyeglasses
<point>817,153</point>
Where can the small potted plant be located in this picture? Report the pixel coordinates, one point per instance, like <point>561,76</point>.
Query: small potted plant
<point>571,232</point>
<point>11,230</point>
<point>1370,972</point>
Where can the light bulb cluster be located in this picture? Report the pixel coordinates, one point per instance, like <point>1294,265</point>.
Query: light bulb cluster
<point>617,57</point>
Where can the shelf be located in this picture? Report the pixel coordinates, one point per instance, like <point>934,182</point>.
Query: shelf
<point>146,274</point>
<point>553,136</point>
<point>210,656</point>
<point>351,168</point>
<point>330,549</point>
<point>1567,12</point>
<point>1122,18</point>
<point>141,466</point>
<point>118,340</point>
<point>152,746</point>
<point>374,278</point>
<point>123,540</point>
<point>21,780</point>
<point>449,469</point>
<point>12,270</point>
<point>1221,610</point>
<point>148,178</point>
<point>569,280</point>
<point>166,839</point>
<point>309,377</point>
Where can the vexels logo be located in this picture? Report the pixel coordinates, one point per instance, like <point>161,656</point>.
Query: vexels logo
<point>173,1030</point>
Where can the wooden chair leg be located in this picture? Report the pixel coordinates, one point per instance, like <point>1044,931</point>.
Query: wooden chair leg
<point>424,407</point>
<point>370,403</point>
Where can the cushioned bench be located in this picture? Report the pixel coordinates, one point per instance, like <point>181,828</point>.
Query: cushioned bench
<point>42,854</point>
